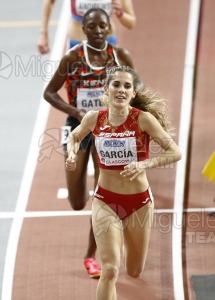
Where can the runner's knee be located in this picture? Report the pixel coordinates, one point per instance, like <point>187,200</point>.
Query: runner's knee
<point>76,202</point>
<point>77,206</point>
<point>134,272</point>
<point>109,272</point>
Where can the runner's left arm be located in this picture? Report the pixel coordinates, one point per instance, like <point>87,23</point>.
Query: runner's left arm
<point>80,132</point>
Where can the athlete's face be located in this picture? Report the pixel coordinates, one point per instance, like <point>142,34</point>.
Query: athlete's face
<point>96,28</point>
<point>120,90</point>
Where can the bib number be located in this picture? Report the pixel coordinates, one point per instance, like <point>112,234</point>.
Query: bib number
<point>117,151</point>
<point>65,134</point>
<point>89,99</point>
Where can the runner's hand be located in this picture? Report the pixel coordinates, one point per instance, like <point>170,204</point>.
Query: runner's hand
<point>133,170</point>
<point>71,161</point>
<point>43,44</point>
<point>117,7</point>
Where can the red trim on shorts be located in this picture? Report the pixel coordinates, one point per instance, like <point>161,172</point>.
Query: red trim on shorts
<point>123,205</point>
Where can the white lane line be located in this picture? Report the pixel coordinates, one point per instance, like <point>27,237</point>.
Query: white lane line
<point>184,131</point>
<point>44,214</point>
<point>31,162</point>
<point>62,193</point>
<point>8,24</point>
<point>90,167</point>
<point>72,213</point>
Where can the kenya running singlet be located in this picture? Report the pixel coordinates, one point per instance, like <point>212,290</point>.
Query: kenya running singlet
<point>119,146</point>
<point>85,83</point>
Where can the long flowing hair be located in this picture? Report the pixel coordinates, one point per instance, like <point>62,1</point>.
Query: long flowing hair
<point>145,99</point>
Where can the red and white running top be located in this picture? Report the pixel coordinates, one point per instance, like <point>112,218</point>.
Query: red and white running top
<point>119,146</point>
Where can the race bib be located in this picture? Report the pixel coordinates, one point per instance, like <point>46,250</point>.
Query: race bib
<point>117,151</point>
<point>89,99</point>
<point>65,134</point>
<point>82,6</point>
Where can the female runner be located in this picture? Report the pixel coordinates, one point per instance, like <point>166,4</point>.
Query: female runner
<point>123,9</point>
<point>122,208</point>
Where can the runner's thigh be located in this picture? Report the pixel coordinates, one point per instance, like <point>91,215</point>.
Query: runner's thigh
<point>107,231</point>
<point>136,238</point>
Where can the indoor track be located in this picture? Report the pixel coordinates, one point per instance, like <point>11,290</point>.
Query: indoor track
<point>47,239</point>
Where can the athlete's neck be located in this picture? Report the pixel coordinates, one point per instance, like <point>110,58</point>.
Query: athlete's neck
<point>114,112</point>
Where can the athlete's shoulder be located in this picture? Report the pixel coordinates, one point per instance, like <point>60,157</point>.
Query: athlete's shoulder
<point>146,120</point>
<point>121,51</point>
<point>124,56</point>
<point>92,114</point>
<point>145,115</point>
<point>90,119</point>
<point>75,52</point>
